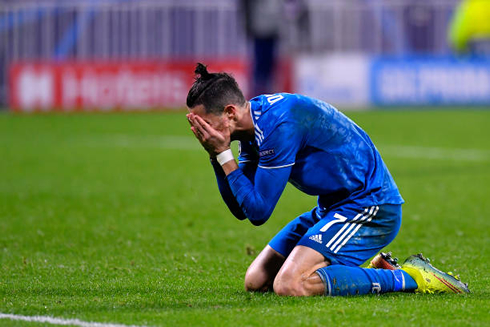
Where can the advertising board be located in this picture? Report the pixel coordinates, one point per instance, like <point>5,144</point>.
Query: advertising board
<point>429,81</point>
<point>109,86</point>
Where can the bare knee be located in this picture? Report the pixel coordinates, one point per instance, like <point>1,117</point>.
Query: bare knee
<point>297,276</point>
<point>288,289</point>
<point>287,284</point>
<point>263,270</point>
<point>257,280</point>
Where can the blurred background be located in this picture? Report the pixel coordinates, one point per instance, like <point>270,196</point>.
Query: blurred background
<point>106,55</point>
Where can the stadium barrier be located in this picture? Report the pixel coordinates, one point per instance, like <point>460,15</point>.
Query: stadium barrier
<point>138,85</point>
<point>347,81</point>
<point>85,30</point>
<point>360,81</point>
<point>108,86</point>
<point>429,81</point>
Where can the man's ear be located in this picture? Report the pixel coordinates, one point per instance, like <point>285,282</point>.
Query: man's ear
<point>230,111</point>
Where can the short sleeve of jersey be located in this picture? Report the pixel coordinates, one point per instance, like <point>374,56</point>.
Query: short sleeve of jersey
<point>280,147</point>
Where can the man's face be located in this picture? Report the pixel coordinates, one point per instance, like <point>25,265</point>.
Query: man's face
<point>215,121</point>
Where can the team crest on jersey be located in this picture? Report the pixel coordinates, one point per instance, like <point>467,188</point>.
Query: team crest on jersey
<point>266,153</point>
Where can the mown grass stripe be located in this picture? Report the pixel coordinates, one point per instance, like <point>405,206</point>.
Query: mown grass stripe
<point>173,142</point>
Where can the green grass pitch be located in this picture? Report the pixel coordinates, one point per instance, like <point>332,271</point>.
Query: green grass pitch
<point>116,218</point>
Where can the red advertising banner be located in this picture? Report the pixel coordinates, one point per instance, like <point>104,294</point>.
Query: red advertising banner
<point>109,86</point>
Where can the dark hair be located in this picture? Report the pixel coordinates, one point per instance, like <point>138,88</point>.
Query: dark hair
<point>214,91</point>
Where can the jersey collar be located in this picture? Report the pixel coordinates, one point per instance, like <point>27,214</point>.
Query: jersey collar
<point>255,111</point>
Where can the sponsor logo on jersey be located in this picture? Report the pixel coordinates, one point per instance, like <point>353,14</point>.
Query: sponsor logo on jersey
<point>317,238</point>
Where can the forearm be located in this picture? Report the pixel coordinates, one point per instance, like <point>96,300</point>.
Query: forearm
<point>247,197</point>
<point>226,192</point>
<point>229,167</point>
<point>257,201</point>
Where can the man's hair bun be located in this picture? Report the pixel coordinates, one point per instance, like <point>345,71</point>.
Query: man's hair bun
<point>214,91</point>
<point>202,71</point>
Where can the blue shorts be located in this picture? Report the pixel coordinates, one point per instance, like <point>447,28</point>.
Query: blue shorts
<point>348,235</point>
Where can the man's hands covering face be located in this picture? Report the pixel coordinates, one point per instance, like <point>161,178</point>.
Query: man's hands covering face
<point>213,141</point>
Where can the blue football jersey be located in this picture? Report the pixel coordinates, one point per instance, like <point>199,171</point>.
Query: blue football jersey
<point>330,156</point>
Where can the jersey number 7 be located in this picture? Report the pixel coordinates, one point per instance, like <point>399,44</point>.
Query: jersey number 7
<point>339,219</point>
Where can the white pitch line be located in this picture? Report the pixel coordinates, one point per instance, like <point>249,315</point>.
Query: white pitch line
<point>60,321</point>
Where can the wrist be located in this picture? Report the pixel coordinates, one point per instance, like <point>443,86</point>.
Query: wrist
<point>224,157</point>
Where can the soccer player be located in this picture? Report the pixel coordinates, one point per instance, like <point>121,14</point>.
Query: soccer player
<point>288,137</point>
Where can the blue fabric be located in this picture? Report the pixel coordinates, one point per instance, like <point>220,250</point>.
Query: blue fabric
<point>342,280</point>
<point>315,147</point>
<point>330,155</point>
<point>264,199</point>
<point>410,283</point>
<point>348,235</point>
<point>225,191</point>
<point>258,201</point>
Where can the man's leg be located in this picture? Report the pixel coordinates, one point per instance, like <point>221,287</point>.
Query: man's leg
<point>305,273</point>
<point>297,276</point>
<point>326,258</point>
<point>261,273</point>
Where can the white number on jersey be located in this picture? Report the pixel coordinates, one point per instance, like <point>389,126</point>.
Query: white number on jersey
<point>273,98</point>
<point>340,219</point>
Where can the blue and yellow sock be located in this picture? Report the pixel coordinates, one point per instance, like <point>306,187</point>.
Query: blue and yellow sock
<point>343,280</point>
